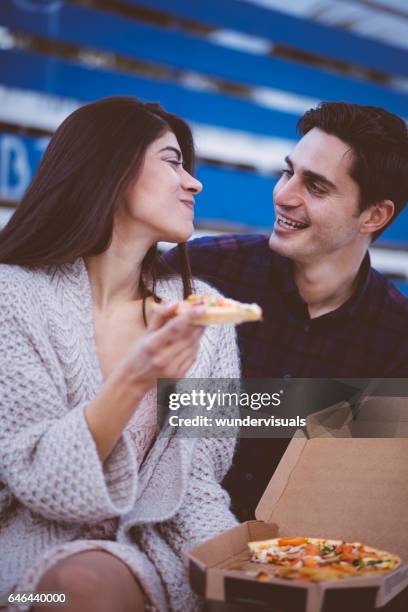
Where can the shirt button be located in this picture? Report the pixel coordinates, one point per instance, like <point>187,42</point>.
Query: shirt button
<point>249,476</point>
<point>307,327</point>
<point>287,375</point>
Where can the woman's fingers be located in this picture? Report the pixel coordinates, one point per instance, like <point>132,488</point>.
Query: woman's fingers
<point>180,363</point>
<point>182,368</point>
<point>165,312</point>
<point>179,327</point>
<point>169,343</point>
<point>167,358</point>
<point>161,313</point>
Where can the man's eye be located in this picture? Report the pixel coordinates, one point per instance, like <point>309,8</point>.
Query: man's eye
<point>316,189</point>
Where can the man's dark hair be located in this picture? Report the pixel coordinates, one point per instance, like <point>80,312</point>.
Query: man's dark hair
<point>379,141</point>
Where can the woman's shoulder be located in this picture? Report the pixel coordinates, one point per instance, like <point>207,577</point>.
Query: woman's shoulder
<point>22,276</point>
<point>9,272</point>
<point>13,280</point>
<point>21,286</point>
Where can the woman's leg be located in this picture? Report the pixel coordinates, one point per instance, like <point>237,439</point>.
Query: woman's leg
<point>94,581</point>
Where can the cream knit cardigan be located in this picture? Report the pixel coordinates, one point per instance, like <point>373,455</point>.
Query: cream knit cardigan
<point>54,490</point>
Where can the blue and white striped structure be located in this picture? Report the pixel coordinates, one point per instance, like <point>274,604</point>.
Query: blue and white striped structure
<point>240,73</point>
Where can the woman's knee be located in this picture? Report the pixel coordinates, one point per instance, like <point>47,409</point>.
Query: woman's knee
<point>72,578</point>
<point>98,577</point>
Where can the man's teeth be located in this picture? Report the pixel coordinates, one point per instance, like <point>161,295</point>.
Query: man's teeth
<point>292,224</point>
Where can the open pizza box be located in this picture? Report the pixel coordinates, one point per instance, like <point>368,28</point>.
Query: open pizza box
<point>327,485</point>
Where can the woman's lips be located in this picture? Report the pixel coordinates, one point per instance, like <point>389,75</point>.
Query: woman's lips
<point>189,203</point>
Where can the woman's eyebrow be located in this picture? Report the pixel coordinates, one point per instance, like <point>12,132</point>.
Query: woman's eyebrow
<point>173,150</point>
<point>288,161</point>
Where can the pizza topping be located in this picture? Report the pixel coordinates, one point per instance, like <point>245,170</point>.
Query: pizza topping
<point>292,541</point>
<point>220,310</point>
<point>209,300</point>
<point>326,549</point>
<point>262,577</point>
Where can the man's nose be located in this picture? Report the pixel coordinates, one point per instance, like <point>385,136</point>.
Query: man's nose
<point>288,194</point>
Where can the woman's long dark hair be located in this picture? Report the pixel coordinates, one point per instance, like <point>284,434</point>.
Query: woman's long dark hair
<point>68,210</point>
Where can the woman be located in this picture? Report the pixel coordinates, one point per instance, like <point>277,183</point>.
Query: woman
<point>92,503</point>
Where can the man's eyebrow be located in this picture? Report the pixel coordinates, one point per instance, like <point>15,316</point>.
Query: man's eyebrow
<point>314,176</point>
<point>173,150</point>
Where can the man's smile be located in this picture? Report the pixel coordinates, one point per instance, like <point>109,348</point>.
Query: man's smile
<point>290,224</point>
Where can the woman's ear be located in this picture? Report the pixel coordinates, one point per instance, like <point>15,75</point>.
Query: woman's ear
<point>376,216</point>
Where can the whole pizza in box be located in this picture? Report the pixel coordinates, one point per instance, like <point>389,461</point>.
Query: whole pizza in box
<point>316,560</point>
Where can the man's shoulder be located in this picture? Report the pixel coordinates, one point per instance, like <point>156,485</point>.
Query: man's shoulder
<point>390,333</point>
<point>225,254</point>
<point>171,288</point>
<point>236,264</point>
<point>393,303</point>
<point>231,243</point>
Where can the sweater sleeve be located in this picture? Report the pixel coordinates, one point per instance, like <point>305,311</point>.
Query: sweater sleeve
<point>48,457</point>
<point>205,511</point>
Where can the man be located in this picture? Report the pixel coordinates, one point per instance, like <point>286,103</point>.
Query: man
<point>327,312</point>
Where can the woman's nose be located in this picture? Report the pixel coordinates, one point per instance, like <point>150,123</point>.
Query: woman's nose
<point>192,184</point>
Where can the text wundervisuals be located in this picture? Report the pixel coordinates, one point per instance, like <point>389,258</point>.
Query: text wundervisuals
<point>204,421</point>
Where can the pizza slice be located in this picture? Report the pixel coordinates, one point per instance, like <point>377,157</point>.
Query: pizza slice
<point>319,559</point>
<point>220,310</point>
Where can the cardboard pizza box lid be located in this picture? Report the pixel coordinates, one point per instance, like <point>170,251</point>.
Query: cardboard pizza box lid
<point>353,489</point>
<point>375,417</point>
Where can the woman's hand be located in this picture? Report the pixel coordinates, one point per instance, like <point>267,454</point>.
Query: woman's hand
<point>168,347</point>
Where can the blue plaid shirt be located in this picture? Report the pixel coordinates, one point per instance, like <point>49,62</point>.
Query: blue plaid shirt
<point>366,337</point>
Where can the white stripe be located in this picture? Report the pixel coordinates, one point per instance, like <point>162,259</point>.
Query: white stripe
<point>31,109</point>
<point>390,261</point>
<point>283,101</point>
<point>7,40</point>
<point>240,41</point>
<point>5,214</point>
<point>263,153</point>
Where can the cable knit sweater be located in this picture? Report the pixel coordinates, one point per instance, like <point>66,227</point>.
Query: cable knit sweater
<point>56,497</point>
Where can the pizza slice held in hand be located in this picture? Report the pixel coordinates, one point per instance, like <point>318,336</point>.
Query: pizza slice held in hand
<point>220,310</point>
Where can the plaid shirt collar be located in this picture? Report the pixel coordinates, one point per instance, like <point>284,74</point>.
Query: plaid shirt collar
<point>358,301</point>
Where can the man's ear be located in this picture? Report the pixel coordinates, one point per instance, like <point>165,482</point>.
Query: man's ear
<point>376,216</point>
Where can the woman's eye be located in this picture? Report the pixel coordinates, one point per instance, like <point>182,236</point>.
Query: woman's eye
<point>286,172</point>
<point>175,162</point>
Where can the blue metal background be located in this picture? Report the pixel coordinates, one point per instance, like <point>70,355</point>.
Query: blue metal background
<point>231,196</point>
